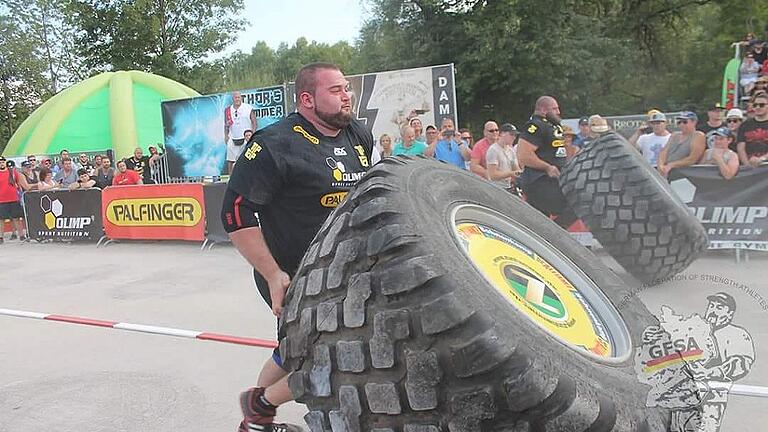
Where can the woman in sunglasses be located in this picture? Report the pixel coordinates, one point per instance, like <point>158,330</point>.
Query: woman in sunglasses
<point>733,120</point>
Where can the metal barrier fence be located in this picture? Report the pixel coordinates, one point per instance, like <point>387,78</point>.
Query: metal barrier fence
<point>161,174</point>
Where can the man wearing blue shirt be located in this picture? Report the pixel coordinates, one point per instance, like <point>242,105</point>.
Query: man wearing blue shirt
<point>450,148</point>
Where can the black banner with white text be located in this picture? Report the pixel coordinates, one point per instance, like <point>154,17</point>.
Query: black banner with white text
<point>734,212</point>
<point>64,214</point>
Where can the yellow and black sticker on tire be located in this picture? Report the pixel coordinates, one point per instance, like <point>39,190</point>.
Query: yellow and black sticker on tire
<point>535,287</point>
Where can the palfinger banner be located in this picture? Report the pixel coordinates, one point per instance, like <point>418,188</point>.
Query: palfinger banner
<point>734,212</point>
<point>194,128</point>
<point>154,212</point>
<point>64,214</point>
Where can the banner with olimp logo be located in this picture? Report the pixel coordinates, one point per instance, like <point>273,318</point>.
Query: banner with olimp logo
<point>734,212</point>
<point>64,214</point>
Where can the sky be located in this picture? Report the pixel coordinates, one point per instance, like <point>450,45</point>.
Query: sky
<point>276,21</point>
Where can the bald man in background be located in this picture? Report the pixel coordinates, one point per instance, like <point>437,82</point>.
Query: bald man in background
<point>542,151</point>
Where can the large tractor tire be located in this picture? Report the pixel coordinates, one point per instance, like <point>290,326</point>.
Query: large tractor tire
<point>631,210</point>
<point>432,301</point>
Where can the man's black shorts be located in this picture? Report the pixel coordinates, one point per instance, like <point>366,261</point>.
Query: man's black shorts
<point>545,196</point>
<point>11,210</point>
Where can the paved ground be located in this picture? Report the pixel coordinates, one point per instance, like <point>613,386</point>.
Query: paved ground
<point>92,379</point>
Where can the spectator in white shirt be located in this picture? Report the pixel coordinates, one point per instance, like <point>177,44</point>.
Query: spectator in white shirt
<point>651,142</point>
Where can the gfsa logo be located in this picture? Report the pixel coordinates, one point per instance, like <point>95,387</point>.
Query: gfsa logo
<point>52,211</point>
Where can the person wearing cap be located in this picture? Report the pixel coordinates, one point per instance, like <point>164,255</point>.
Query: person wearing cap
<point>84,180</point>
<point>734,355</point>
<point>752,141</point>
<point>685,147</point>
<point>450,149</point>
<point>10,206</point>
<point>541,151</point>
<point>477,162</point>
<point>569,135</point>
<point>583,137</point>
<point>650,144</point>
<point>714,119</point>
<point>726,160</point>
<point>733,120</point>
<point>501,161</point>
<point>32,176</point>
<point>598,125</point>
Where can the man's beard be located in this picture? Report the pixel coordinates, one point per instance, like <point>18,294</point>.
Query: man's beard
<point>338,120</point>
<point>553,118</point>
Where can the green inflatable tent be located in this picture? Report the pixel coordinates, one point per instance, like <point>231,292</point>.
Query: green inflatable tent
<point>112,110</point>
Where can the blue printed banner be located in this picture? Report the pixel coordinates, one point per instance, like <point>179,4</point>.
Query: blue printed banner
<point>194,128</point>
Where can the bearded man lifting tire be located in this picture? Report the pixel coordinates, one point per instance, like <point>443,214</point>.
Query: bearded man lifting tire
<point>431,300</point>
<point>631,210</point>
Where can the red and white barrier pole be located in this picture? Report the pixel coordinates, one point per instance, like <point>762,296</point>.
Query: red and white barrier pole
<point>142,328</point>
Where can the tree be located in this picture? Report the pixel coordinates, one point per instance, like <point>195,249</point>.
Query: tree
<point>165,37</point>
<point>23,84</point>
<point>51,36</point>
<point>611,57</point>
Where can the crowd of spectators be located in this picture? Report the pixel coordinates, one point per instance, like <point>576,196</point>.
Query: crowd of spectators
<point>67,173</point>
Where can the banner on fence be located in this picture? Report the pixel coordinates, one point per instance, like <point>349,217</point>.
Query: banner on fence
<point>626,125</point>
<point>194,128</point>
<point>154,212</point>
<point>734,212</point>
<point>214,199</point>
<point>64,214</point>
<point>386,101</point>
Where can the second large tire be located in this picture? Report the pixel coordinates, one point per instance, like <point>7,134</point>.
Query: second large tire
<point>631,210</point>
<point>433,301</point>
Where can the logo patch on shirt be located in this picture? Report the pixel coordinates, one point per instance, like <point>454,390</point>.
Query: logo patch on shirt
<point>339,151</point>
<point>310,138</point>
<point>332,200</point>
<point>558,143</point>
<point>252,151</point>
<point>560,153</point>
<point>532,129</point>
<point>361,155</point>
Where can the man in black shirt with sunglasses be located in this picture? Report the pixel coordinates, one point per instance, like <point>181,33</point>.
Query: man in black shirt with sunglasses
<point>752,143</point>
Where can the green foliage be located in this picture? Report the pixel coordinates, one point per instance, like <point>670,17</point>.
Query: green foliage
<point>23,83</point>
<point>165,37</point>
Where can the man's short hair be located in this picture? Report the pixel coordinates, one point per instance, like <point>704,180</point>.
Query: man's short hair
<point>306,79</point>
<point>82,171</point>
